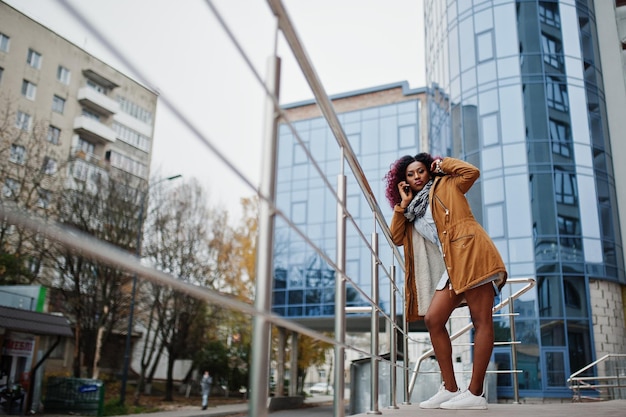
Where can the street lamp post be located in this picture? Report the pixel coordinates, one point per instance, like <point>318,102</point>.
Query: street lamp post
<point>134,288</point>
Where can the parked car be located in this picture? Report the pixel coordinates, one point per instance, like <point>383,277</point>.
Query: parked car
<point>321,388</point>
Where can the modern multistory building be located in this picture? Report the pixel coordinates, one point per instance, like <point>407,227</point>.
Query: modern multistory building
<point>381,124</point>
<point>532,92</point>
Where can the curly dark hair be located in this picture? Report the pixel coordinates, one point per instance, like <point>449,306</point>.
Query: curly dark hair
<point>397,173</point>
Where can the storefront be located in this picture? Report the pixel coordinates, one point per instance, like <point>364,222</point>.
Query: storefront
<point>23,336</point>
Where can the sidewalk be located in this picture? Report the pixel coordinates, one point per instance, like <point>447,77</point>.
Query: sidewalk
<point>322,406</point>
<point>317,403</point>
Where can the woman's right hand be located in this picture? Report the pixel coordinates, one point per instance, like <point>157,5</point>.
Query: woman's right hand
<point>406,194</point>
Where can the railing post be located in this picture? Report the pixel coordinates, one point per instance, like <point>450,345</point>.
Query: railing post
<point>405,356</point>
<point>259,369</point>
<point>340,298</point>
<point>393,343</point>
<point>513,352</point>
<point>293,371</point>
<point>374,328</point>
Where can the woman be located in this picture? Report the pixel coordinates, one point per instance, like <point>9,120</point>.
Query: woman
<point>431,212</point>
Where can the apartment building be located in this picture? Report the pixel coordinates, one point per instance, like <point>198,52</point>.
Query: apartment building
<point>99,118</point>
<point>71,120</point>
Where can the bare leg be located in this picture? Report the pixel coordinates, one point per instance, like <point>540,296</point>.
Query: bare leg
<point>480,303</point>
<point>443,303</point>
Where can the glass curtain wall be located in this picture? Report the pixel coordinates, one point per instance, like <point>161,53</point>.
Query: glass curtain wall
<point>516,89</point>
<point>304,283</point>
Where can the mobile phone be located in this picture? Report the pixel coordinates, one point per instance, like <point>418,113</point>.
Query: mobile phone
<point>406,189</point>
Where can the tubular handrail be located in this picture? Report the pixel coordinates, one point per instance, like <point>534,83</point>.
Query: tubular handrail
<point>530,284</point>
<point>577,383</point>
<point>328,111</point>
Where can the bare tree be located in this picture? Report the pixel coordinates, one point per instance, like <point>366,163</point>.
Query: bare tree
<point>31,168</point>
<point>177,241</point>
<point>94,294</point>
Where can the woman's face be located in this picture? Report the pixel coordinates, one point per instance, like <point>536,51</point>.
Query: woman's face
<point>417,175</point>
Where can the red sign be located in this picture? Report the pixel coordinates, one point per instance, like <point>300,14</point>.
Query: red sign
<point>18,347</point>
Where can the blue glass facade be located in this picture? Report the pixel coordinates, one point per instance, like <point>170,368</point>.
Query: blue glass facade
<point>379,131</point>
<point>520,95</point>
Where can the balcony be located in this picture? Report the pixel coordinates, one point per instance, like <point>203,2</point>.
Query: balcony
<point>92,129</point>
<point>99,102</point>
<point>87,157</point>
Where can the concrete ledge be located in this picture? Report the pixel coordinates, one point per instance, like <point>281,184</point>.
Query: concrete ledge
<point>285,403</point>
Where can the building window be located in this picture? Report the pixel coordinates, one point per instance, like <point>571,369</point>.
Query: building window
<point>63,75</point>
<point>80,170</point>
<point>549,14</point>
<point>54,135</point>
<point>11,188</point>
<point>560,137</point>
<point>134,110</point>
<point>49,166</point>
<point>407,136</point>
<point>355,142</point>
<point>58,104</point>
<point>89,114</point>
<point>299,155</point>
<point>571,296</point>
<point>1,72</point>
<point>299,212</point>
<point>132,137</point>
<point>128,164</point>
<point>569,230</point>
<point>29,90</point>
<point>490,129</point>
<point>18,154</point>
<point>86,146</point>
<point>484,46</point>
<point>552,51</point>
<point>97,87</point>
<point>34,59</point>
<point>43,198</point>
<point>495,220</point>
<point>565,187</point>
<point>556,93</point>
<point>22,120</point>
<point>4,42</point>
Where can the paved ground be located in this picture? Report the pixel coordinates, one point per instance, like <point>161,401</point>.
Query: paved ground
<point>322,406</point>
<point>615,408</point>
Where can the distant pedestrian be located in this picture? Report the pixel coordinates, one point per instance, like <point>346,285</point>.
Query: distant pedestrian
<point>205,384</point>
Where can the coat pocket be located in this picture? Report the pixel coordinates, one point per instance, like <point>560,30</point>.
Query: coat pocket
<point>462,242</point>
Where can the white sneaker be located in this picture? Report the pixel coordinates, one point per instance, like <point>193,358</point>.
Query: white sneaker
<point>465,401</point>
<point>441,396</point>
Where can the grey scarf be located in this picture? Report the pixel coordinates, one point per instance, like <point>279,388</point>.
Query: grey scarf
<point>419,204</point>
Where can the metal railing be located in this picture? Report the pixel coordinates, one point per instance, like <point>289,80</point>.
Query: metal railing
<point>607,384</point>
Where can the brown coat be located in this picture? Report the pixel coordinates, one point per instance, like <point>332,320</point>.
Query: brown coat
<point>469,253</point>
